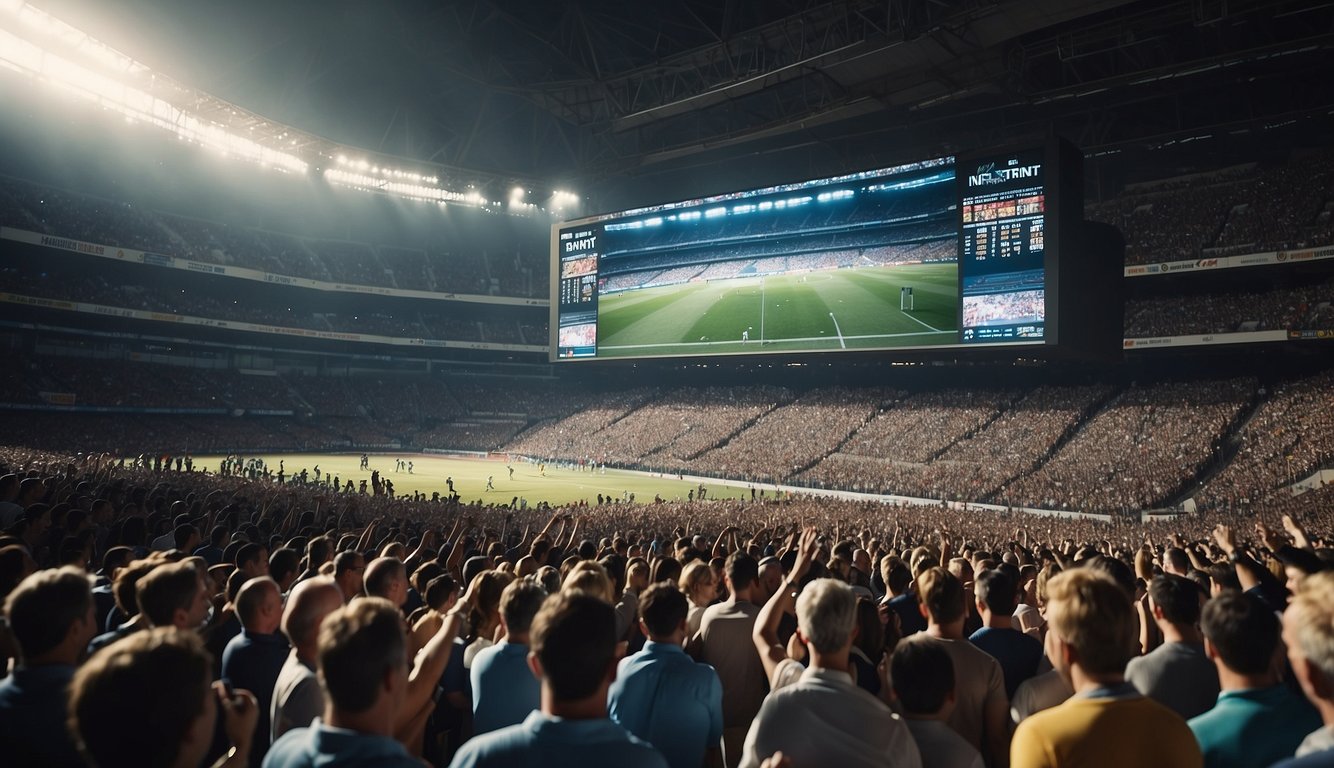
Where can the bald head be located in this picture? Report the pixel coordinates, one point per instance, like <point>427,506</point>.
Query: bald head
<point>307,605</point>
<point>259,606</point>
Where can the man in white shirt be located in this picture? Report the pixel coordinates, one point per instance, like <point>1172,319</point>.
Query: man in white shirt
<point>825,718</point>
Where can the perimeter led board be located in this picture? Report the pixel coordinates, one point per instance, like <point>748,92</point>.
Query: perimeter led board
<point>931,254</point>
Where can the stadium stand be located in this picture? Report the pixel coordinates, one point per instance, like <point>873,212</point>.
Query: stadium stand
<point>52,210</point>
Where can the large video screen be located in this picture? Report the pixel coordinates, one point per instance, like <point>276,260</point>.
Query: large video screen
<point>913,256</point>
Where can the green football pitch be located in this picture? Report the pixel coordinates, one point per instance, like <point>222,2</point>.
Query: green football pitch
<point>833,309</point>
<point>559,485</point>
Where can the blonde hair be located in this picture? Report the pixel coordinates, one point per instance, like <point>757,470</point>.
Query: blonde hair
<point>591,578</point>
<point>1090,612</point>
<point>694,576</point>
<point>942,594</point>
<point>1311,615</point>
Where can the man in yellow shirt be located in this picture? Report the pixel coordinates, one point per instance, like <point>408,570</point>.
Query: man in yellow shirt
<point>1107,722</point>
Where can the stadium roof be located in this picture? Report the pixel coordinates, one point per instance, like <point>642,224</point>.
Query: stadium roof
<point>600,89</point>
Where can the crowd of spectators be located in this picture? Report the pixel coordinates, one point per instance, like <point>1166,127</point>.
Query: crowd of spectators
<point>1089,448</point>
<point>467,434</point>
<point>1276,309</point>
<point>1248,208</point>
<point>452,324</point>
<point>1290,436</point>
<point>953,444</point>
<point>677,426</point>
<point>579,436</point>
<point>165,617</point>
<point>788,439</point>
<point>1003,308</point>
<point>1142,449</point>
<point>457,269</point>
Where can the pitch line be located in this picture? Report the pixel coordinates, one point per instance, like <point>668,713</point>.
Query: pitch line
<point>919,322</point>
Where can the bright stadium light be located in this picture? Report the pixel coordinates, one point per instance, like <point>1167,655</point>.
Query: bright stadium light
<point>53,53</point>
<point>52,61</point>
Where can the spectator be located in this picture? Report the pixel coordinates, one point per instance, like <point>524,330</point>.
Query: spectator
<point>924,684</point>
<point>1258,720</point>
<point>283,564</point>
<point>254,658</point>
<point>1176,674</point>
<point>825,719</point>
<point>297,696</point>
<point>1308,632</point>
<point>724,632</point>
<point>174,595</point>
<point>503,687</point>
<point>126,590</point>
<point>980,710</point>
<point>387,578</point>
<point>51,615</point>
<point>253,560</point>
<point>700,587</point>
<point>363,669</point>
<point>1107,722</point>
<point>146,700</point>
<point>349,568</point>
<point>1018,653</point>
<point>900,601</point>
<point>1041,692</point>
<point>574,654</point>
<point>661,695</point>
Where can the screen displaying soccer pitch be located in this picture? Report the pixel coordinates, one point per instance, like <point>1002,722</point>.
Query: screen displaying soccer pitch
<point>921,255</point>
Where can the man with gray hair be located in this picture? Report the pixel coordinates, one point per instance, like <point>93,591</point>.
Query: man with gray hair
<point>825,718</point>
<point>1308,631</point>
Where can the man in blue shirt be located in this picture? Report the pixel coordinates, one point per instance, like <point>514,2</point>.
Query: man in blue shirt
<point>1257,719</point>
<point>363,666</point>
<point>51,614</point>
<point>1017,653</point>
<point>574,655</point>
<point>661,695</point>
<point>253,659</point>
<point>504,690</point>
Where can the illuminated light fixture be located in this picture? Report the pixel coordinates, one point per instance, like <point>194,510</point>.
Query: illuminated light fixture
<point>53,53</point>
<point>53,68</point>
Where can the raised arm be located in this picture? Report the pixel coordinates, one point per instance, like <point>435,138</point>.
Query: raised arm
<point>1243,564</point>
<point>765,635</point>
<point>1297,533</point>
<point>718,543</point>
<point>430,661</point>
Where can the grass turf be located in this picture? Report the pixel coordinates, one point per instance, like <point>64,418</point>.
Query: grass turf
<point>709,317</point>
<point>559,486</point>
